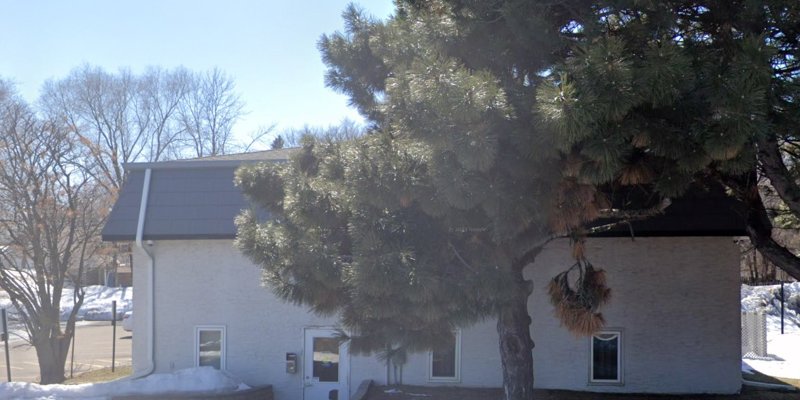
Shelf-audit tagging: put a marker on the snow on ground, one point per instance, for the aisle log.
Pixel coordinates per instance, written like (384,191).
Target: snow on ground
(783,351)
(767,300)
(783,360)
(97,302)
(193,380)
(96,306)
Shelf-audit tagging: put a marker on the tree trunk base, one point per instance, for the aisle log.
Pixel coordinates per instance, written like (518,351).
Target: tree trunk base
(516,345)
(52,355)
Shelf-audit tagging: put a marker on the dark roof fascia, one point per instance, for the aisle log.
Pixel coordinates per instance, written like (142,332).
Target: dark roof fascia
(194,164)
(612,234)
(130,238)
(686,233)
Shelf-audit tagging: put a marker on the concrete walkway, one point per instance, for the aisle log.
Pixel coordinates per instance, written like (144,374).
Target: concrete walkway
(93,342)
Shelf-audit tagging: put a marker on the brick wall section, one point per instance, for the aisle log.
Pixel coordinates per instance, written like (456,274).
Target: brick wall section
(676,302)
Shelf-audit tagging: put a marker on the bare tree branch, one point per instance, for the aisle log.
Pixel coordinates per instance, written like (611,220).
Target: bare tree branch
(50,218)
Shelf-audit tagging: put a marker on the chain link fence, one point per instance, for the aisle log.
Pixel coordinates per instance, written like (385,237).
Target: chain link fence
(754,335)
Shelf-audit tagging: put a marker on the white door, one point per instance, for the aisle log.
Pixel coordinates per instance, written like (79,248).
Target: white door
(326,366)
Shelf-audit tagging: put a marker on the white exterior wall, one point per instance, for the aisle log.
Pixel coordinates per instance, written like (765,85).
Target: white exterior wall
(676,301)
(681,308)
(210,283)
(480,362)
(140,305)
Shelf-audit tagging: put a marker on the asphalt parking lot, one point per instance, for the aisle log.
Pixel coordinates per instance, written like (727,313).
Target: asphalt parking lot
(93,347)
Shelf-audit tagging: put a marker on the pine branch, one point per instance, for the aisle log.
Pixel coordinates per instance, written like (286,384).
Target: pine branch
(635,215)
(458,256)
(759,226)
(629,216)
(771,162)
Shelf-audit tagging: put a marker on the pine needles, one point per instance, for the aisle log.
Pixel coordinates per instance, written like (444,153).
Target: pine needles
(577,307)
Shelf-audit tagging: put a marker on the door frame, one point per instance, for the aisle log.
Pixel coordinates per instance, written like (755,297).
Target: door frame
(344,359)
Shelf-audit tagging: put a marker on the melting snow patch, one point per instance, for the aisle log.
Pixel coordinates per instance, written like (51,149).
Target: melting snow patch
(784,350)
(747,369)
(193,380)
(767,299)
(96,306)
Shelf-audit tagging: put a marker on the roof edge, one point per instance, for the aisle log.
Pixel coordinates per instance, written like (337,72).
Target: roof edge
(701,233)
(130,238)
(138,166)
(217,161)
(667,233)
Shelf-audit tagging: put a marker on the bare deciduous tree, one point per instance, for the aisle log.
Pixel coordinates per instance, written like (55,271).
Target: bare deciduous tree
(209,113)
(121,117)
(51,215)
(158,99)
(160,114)
(346,130)
(256,140)
(61,165)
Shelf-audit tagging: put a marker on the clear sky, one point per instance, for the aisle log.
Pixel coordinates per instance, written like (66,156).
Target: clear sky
(268,47)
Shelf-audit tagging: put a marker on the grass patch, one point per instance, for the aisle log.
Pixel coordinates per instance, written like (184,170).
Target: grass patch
(100,375)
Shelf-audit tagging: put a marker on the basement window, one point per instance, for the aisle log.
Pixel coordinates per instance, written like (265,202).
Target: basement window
(606,358)
(445,364)
(209,345)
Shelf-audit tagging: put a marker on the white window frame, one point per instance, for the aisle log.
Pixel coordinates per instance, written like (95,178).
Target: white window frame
(620,366)
(223,346)
(457,377)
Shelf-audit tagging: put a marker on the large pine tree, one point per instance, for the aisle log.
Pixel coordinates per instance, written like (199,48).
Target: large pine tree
(426,223)
(665,93)
(494,125)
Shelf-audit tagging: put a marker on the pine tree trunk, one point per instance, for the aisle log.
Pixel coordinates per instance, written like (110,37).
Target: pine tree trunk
(759,225)
(516,345)
(52,355)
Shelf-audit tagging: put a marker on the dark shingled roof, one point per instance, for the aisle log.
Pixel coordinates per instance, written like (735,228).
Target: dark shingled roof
(188,199)
(196,199)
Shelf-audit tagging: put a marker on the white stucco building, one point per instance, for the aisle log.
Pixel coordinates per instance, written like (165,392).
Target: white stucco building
(672,323)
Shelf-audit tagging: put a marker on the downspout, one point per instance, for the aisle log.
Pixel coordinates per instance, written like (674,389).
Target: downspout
(150,277)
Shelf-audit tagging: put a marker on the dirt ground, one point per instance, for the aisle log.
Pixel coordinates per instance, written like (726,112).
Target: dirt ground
(454,393)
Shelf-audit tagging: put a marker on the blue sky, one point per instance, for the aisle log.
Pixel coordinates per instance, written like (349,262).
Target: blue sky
(267,47)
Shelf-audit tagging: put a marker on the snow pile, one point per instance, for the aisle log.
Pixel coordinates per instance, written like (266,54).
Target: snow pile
(96,306)
(767,299)
(193,380)
(96,302)
(783,350)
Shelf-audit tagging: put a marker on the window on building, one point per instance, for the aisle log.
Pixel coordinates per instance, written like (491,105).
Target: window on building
(445,363)
(606,361)
(326,359)
(210,346)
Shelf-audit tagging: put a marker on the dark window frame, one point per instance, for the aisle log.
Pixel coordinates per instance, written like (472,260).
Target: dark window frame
(457,361)
(614,334)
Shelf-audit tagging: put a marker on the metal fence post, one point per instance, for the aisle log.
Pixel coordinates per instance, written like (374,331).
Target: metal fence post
(782,302)
(114,334)
(5,339)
